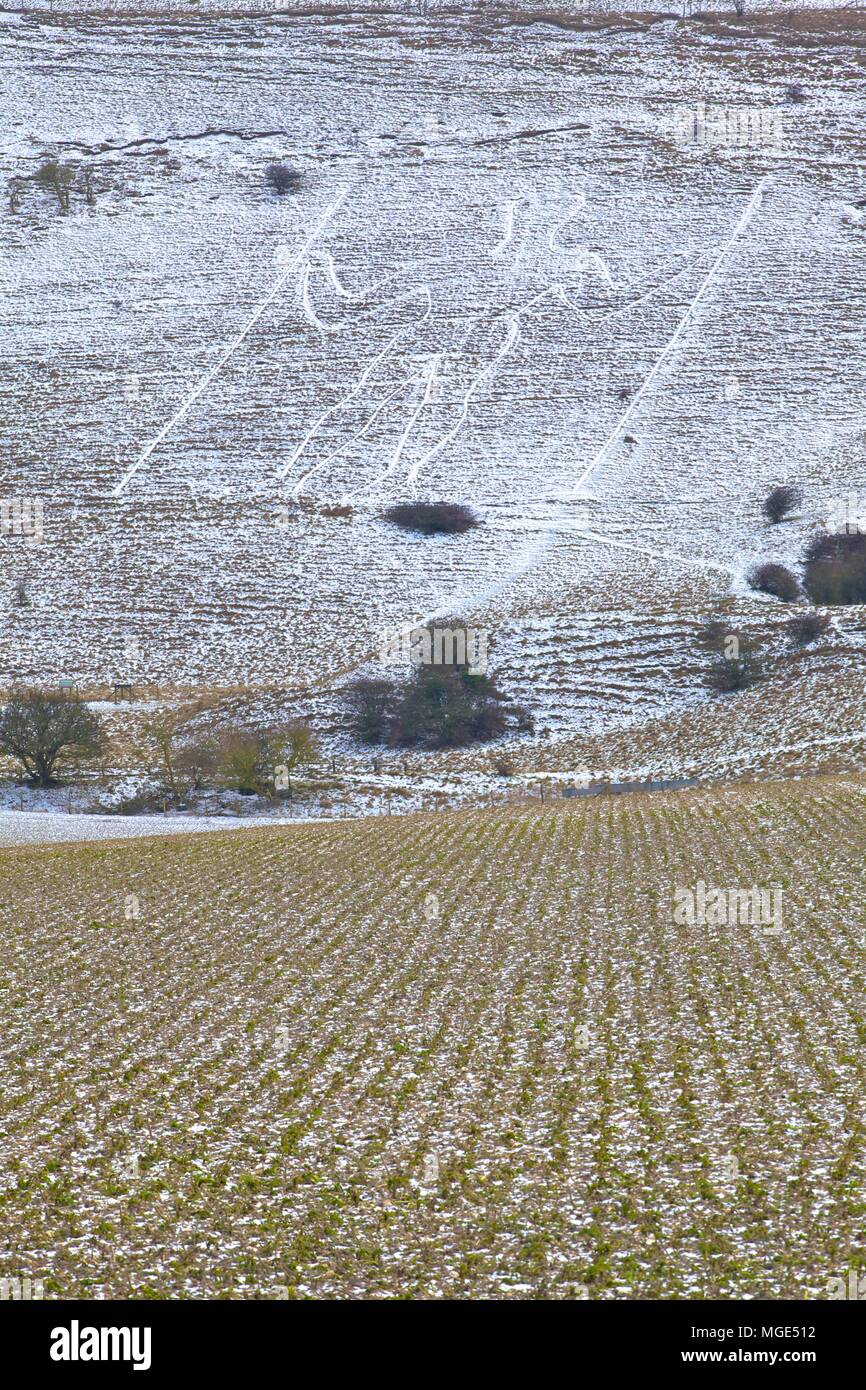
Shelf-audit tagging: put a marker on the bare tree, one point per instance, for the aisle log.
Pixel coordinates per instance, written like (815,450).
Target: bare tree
(169,748)
(40,728)
(159,745)
(291,747)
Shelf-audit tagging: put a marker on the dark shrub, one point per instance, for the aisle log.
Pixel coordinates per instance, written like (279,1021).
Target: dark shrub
(730,673)
(723,640)
(835,569)
(775,579)
(282,178)
(442,706)
(781,501)
(712,634)
(431,518)
(808,628)
(57,178)
(371,704)
(446,707)
(795,92)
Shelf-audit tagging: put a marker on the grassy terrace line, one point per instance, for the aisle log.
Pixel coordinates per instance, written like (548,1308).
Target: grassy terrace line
(334,1089)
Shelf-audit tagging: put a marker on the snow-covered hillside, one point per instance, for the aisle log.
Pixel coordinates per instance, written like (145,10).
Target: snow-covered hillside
(600,278)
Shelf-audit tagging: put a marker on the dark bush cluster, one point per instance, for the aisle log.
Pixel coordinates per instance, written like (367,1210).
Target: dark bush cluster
(60,180)
(441,706)
(432,518)
(738,661)
(737,665)
(283,178)
(57,179)
(834,572)
(835,569)
(449,707)
(808,628)
(713,634)
(773,578)
(781,501)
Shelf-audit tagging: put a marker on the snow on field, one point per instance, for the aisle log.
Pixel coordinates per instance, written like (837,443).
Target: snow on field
(469,1055)
(52,827)
(515,276)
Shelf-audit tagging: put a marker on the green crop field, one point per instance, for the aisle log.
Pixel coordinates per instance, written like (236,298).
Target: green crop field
(466,1055)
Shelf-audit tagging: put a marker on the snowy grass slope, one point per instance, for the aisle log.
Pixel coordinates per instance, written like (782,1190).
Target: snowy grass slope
(475,273)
